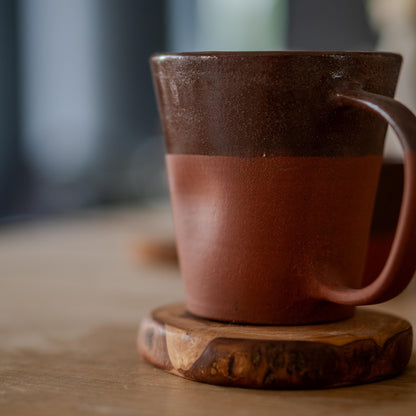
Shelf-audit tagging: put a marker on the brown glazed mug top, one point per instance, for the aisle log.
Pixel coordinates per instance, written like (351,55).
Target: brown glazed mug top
(249,103)
(273,161)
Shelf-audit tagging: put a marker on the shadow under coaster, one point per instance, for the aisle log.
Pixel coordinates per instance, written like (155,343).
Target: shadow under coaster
(368,347)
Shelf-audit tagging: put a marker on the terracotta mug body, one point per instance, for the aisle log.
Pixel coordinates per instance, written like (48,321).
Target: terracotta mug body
(273,162)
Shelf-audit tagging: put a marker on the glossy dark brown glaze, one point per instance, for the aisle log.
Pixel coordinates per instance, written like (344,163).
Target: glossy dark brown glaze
(272,104)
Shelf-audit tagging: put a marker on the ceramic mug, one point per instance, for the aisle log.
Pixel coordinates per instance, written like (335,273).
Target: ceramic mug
(273,162)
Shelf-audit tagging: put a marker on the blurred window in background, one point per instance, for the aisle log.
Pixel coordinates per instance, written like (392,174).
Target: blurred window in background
(10,163)
(330,25)
(88,109)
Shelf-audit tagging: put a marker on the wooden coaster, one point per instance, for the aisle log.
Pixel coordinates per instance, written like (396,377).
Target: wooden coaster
(368,347)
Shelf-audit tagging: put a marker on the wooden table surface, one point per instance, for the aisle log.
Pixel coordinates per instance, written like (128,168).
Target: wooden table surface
(72,294)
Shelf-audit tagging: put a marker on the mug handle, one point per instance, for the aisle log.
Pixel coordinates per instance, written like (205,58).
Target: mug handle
(400,265)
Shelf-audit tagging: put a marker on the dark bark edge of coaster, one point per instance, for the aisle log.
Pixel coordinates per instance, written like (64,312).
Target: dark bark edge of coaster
(368,347)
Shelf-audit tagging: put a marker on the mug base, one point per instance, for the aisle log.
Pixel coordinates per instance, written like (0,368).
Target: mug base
(276,357)
(303,313)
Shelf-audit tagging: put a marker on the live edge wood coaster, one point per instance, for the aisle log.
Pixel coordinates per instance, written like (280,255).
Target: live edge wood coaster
(368,347)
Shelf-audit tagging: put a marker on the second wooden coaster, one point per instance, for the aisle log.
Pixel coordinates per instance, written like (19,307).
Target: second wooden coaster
(368,347)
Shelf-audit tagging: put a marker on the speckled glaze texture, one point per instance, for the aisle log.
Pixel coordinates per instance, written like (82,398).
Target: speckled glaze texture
(273,161)
(250,104)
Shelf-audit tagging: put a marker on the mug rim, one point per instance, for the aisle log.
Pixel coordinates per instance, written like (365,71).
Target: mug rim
(160,56)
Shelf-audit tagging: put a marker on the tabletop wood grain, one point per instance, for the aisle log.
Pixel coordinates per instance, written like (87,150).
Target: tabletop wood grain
(72,294)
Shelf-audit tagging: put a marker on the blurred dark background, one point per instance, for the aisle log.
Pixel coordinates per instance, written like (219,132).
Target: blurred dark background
(78,118)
